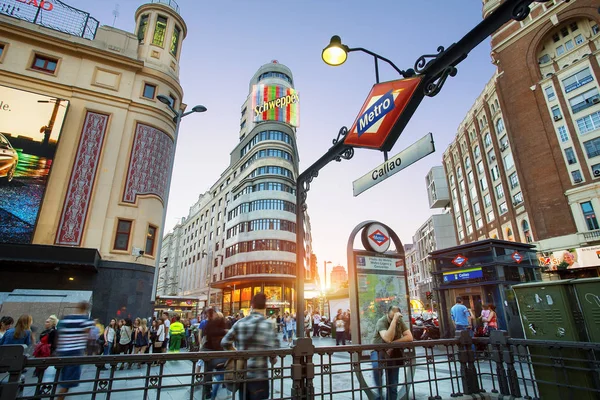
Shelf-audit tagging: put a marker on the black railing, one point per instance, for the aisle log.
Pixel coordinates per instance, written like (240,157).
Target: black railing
(426,370)
(52,14)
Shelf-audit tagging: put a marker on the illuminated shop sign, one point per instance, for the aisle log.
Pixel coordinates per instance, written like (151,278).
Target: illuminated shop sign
(30,126)
(463,274)
(275,103)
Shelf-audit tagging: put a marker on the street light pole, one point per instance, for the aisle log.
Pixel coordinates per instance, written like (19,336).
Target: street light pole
(325,272)
(179,114)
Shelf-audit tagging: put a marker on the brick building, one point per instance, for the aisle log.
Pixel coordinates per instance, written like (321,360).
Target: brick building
(525,163)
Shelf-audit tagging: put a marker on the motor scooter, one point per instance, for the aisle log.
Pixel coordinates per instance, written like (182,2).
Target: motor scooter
(431,329)
(324,328)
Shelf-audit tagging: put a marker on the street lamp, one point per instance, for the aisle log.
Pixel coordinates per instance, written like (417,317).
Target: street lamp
(179,114)
(325,273)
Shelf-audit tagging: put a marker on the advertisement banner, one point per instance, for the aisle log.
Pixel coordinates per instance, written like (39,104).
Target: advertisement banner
(582,257)
(30,126)
(275,103)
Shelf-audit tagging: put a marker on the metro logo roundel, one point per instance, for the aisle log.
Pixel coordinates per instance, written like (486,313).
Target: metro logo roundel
(380,112)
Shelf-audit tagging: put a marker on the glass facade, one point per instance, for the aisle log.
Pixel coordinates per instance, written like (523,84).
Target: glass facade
(280,297)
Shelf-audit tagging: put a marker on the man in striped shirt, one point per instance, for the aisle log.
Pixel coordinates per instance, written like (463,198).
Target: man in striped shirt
(73,334)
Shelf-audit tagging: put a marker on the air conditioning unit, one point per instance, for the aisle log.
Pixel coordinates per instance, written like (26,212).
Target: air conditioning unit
(557,117)
(596,100)
(597,172)
(493,158)
(578,180)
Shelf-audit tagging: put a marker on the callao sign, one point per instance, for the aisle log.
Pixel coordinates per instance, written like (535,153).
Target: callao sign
(43,4)
(379,113)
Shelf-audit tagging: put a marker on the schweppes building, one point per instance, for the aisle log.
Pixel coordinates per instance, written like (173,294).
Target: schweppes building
(240,236)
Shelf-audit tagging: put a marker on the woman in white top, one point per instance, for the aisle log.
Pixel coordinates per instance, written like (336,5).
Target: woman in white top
(109,336)
(160,337)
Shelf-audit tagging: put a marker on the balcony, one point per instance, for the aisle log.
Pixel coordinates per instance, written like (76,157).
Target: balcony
(169,3)
(589,236)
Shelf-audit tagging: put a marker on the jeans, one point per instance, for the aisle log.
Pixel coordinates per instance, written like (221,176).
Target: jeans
(315,330)
(254,390)
(210,366)
(391,376)
(340,337)
(108,349)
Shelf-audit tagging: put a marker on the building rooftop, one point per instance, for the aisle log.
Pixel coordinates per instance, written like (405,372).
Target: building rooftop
(482,243)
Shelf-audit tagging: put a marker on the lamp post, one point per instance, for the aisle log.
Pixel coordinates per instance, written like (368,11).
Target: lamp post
(179,114)
(325,273)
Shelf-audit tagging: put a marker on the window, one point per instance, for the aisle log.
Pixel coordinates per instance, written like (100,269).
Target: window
(487,140)
(526,231)
(555,38)
(480,167)
(578,39)
(459,222)
(479,223)
(159,31)
(550,93)
(175,41)
(495,173)
(577,178)
(483,183)
(514,180)
(142,28)
(149,91)
(573,26)
(544,59)
(592,147)
(473,191)
(499,126)
(584,100)
(122,235)
(562,134)
(272,74)
(467,163)
(504,143)
(470,177)
(560,50)
(172,100)
(569,45)
(1,50)
(150,240)
(477,152)
(570,155)
(589,123)
(490,155)
(469,229)
(44,64)
(508,161)
(499,191)
(461,235)
(490,216)
(459,172)
(476,209)
(595,29)
(589,215)
(556,113)
(577,80)
(596,170)
(487,200)
(518,198)
(503,208)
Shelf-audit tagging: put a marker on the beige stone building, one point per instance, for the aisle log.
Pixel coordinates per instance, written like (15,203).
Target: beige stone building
(97,219)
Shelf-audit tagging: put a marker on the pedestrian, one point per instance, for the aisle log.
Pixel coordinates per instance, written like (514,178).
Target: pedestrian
(340,329)
(278,323)
(125,341)
(99,347)
(73,333)
(390,328)
(490,321)
(46,346)
(140,337)
(159,343)
(177,335)
(110,332)
(5,324)
(20,334)
(254,333)
(307,323)
(460,316)
(214,332)
(166,325)
(346,317)
(290,327)
(316,322)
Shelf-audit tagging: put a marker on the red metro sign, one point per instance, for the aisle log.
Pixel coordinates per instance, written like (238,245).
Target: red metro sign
(380,113)
(459,260)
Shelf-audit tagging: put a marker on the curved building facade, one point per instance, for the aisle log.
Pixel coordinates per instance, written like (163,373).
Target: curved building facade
(240,238)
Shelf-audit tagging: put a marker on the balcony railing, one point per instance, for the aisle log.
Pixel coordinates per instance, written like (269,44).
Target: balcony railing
(591,235)
(169,3)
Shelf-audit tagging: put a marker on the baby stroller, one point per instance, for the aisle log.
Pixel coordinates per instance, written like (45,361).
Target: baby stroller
(194,340)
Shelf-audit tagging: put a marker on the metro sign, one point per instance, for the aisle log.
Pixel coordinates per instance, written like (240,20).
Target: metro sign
(517,257)
(459,260)
(380,113)
(379,237)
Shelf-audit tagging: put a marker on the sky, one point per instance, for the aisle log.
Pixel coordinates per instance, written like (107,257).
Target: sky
(228,40)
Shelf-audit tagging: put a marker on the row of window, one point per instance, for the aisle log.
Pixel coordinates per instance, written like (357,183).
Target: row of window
(260,245)
(266,135)
(263,224)
(274,186)
(123,237)
(160,33)
(265,204)
(273,74)
(260,267)
(271,170)
(267,153)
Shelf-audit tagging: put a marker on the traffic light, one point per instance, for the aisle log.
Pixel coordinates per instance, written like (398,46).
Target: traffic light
(429,295)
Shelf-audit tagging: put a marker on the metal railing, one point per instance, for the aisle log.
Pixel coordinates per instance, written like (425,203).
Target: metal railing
(486,367)
(170,3)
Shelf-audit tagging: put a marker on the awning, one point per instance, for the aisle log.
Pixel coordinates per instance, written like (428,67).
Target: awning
(45,256)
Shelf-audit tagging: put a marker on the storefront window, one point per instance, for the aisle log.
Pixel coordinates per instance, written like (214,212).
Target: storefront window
(227,303)
(246,297)
(257,289)
(273,293)
(236,295)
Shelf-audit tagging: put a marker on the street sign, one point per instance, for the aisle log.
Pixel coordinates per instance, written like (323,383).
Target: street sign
(413,153)
(379,113)
(459,260)
(470,273)
(517,257)
(376,238)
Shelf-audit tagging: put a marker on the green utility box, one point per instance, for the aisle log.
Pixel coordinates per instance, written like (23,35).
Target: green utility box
(550,311)
(588,296)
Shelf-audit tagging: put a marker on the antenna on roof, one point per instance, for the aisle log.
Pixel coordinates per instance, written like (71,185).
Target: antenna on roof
(115,13)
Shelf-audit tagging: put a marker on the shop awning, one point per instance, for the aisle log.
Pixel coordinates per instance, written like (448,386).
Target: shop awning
(44,256)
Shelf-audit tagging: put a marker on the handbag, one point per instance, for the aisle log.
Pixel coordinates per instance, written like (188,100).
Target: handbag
(158,344)
(234,367)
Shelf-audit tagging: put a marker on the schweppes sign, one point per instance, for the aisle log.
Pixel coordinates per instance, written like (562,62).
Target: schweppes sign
(275,103)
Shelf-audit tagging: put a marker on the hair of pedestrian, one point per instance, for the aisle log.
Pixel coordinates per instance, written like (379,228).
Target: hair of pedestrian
(459,300)
(53,320)
(259,301)
(393,307)
(128,322)
(23,324)
(177,318)
(83,306)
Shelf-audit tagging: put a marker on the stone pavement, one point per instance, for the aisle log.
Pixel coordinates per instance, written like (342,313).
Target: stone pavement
(333,378)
